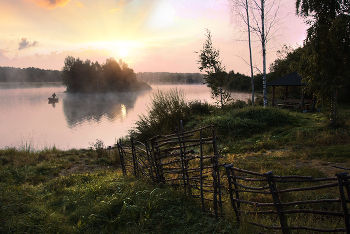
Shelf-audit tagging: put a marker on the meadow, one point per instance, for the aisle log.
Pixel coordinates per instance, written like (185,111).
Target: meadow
(84,191)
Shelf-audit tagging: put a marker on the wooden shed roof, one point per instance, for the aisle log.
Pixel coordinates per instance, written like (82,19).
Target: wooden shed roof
(292,79)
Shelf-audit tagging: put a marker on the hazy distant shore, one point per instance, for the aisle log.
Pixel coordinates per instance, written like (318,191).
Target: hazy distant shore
(19,85)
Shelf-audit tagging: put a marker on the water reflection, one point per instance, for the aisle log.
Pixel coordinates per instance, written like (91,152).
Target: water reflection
(52,102)
(79,108)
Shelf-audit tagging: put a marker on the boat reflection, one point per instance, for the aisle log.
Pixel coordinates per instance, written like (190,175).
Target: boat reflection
(79,108)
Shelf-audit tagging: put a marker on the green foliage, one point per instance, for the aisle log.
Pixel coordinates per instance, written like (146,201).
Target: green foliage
(209,59)
(325,61)
(287,61)
(99,147)
(101,201)
(199,108)
(237,82)
(164,115)
(170,78)
(247,121)
(87,77)
(46,192)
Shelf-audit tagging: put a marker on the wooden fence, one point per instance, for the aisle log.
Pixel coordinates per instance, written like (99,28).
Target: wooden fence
(266,194)
(179,159)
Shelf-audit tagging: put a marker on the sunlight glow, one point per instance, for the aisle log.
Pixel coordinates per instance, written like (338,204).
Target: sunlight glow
(163,16)
(123,52)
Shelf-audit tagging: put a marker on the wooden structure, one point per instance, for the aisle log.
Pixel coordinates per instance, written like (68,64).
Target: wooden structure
(271,205)
(190,160)
(179,159)
(292,79)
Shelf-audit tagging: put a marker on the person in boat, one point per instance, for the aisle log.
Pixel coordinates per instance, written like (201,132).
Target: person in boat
(54,95)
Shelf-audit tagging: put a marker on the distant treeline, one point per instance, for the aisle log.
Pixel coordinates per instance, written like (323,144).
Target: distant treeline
(239,82)
(89,77)
(233,81)
(30,74)
(170,78)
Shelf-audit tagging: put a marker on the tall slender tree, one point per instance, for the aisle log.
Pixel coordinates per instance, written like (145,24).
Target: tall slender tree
(238,6)
(264,17)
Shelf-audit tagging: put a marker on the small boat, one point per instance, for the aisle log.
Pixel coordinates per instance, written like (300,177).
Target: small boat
(53,100)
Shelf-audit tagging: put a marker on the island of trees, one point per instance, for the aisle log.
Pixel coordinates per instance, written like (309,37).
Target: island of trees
(90,77)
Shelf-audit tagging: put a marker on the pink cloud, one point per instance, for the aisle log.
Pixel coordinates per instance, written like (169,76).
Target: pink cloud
(50,3)
(3,59)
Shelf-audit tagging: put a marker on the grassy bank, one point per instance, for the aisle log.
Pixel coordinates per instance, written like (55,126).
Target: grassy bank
(83,191)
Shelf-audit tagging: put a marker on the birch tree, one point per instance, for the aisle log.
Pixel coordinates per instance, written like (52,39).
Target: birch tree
(241,8)
(260,18)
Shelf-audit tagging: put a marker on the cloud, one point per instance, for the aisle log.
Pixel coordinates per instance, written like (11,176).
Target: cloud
(78,4)
(26,44)
(50,3)
(3,58)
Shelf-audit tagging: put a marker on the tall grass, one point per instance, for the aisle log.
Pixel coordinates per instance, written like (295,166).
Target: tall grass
(247,121)
(163,115)
(40,198)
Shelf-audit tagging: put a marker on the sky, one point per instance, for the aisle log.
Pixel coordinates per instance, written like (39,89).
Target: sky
(149,35)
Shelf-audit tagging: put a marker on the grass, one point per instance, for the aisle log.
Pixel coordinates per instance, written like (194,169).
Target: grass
(83,191)
(72,192)
(286,142)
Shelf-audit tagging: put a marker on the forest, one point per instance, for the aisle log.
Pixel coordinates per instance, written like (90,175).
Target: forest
(90,77)
(30,74)
(170,78)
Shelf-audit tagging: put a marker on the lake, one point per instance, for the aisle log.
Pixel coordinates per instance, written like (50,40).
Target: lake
(77,120)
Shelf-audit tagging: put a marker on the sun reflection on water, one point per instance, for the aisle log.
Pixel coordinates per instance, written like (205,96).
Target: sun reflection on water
(123,108)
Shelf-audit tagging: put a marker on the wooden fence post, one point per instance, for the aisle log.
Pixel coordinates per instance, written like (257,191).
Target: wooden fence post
(201,168)
(340,177)
(134,160)
(156,164)
(216,172)
(277,202)
(182,159)
(150,162)
(230,178)
(121,156)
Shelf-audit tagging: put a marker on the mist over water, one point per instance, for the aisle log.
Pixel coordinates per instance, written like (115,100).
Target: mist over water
(27,119)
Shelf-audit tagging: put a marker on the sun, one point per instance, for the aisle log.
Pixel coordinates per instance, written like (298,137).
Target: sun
(123,52)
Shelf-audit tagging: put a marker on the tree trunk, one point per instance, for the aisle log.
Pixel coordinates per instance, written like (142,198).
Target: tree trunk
(250,52)
(263,42)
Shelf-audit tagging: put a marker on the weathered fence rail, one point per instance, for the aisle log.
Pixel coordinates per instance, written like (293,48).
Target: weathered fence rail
(182,159)
(271,198)
(179,159)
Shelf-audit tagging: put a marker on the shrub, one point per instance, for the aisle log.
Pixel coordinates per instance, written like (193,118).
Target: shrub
(99,147)
(164,114)
(199,108)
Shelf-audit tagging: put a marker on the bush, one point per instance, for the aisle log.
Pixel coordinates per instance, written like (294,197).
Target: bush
(164,114)
(199,108)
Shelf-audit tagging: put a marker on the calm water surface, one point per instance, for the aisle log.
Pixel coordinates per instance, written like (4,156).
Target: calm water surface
(77,120)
